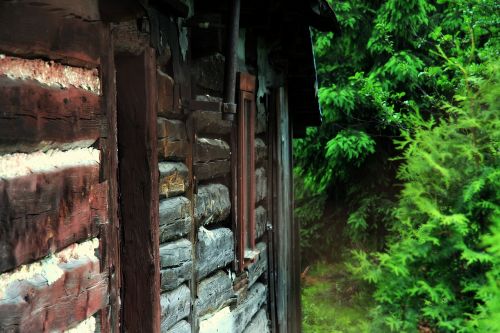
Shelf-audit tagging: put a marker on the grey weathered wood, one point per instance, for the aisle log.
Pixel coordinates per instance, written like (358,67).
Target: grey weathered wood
(259,323)
(175,305)
(211,169)
(260,221)
(210,122)
(214,293)
(212,204)
(176,263)
(260,150)
(211,149)
(260,184)
(257,268)
(214,250)
(173,178)
(181,327)
(243,314)
(175,218)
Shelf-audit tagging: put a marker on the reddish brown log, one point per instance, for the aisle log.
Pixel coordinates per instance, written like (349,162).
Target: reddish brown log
(212,169)
(34,306)
(167,107)
(32,113)
(30,30)
(209,122)
(171,129)
(40,213)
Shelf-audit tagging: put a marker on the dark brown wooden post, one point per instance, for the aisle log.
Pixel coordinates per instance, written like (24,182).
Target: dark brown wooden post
(137,151)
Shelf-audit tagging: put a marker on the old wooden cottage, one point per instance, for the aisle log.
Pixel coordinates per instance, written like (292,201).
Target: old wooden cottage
(145,163)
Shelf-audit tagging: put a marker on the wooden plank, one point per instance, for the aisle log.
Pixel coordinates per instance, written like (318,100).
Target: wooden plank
(34,116)
(175,218)
(136,98)
(176,263)
(212,169)
(175,305)
(214,250)
(48,33)
(110,233)
(40,213)
(214,293)
(209,122)
(246,82)
(212,204)
(173,179)
(34,305)
(211,149)
(172,150)
(166,106)
(174,130)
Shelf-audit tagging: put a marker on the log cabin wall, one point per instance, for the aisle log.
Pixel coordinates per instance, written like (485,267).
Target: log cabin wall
(59,232)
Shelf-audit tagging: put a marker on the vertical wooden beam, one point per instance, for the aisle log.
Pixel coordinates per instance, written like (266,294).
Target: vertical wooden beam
(110,232)
(137,143)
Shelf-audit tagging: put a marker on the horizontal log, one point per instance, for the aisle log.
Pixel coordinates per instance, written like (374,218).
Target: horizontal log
(40,213)
(210,122)
(260,184)
(175,130)
(176,263)
(214,250)
(40,304)
(36,117)
(212,204)
(49,33)
(181,327)
(86,9)
(259,266)
(211,149)
(260,221)
(214,293)
(243,314)
(173,178)
(260,150)
(211,169)
(172,150)
(175,305)
(175,218)
(259,323)
(166,93)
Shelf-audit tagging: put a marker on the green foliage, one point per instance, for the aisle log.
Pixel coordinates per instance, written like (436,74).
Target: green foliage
(407,157)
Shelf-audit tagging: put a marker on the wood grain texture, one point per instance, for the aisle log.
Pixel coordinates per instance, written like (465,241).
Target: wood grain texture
(260,221)
(175,218)
(243,314)
(175,305)
(35,306)
(181,327)
(212,204)
(47,32)
(137,138)
(214,293)
(214,250)
(211,150)
(173,180)
(259,323)
(176,263)
(40,213)
(260,184)
(61,118)
(210,122)
(166,93)
(212,169)
(259,266)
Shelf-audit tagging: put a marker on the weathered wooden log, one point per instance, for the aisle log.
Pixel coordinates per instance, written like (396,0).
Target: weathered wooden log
(40,304)
(210,122)
(173,178)
(242,315)
(211,169)
(260,221)
(212,204)
(181,327)
(176,263)
(172,143)
(169,150)
(175,305)
(214,250)
(166,94)
(260,150)
(259,323)
(37,117)
(45,212)
(171,129)
(260,184)
(211,150)
(214,293)
(49,33)
(175,218)
(259,266)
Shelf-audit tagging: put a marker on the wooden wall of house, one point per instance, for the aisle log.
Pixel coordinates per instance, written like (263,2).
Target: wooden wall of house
(59,242)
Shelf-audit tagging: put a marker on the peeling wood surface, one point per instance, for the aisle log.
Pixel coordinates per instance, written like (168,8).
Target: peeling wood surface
(181,327)
(49,33)
(173,178)
(175,218)
(212,204)
(211,149)
(175,305)
(259,323)
(46,212)
(214,293)
(35,306)
(34,116)
(176,263)
(257,296)
(210,122)
(214,250)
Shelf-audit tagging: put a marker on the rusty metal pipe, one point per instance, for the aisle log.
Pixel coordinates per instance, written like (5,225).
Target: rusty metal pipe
(231,62)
